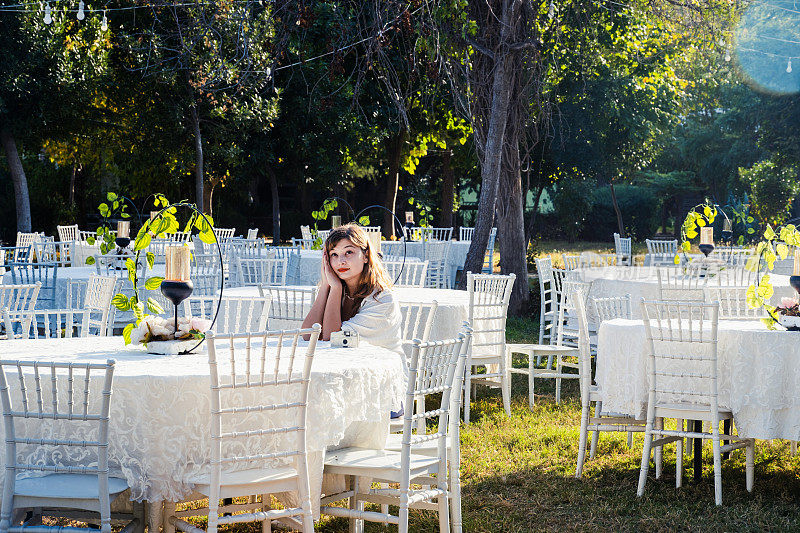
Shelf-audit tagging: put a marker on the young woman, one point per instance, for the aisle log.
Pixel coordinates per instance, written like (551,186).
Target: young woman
(355,292)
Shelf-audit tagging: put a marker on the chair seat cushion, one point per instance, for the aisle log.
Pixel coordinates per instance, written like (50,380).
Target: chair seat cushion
(381,464)
(66,486)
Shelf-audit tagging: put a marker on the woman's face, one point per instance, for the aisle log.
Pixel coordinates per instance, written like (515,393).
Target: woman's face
(347,260)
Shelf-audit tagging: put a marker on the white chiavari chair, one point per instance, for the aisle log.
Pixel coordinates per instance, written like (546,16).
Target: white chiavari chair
(682,283)
(436,254)
(304,244)
(548,299)
(682,345)
(19,297)
(292,255)
(732,303)
(68,233)
(115,265)
(623,247)
(489,295)
(252,233)
(407,273)
(612,307)
(31,273)
(305,232)
(465,234)
(95,295)
(290,305)
(261,271)
(26,240)
(86,235)
(434,369)
(223,234)
(61,399)
(590,392)
(237,314)
(571,261)
(323,234)
(488,260)
(731,276)
(661,252)
(428,234)
(248,373)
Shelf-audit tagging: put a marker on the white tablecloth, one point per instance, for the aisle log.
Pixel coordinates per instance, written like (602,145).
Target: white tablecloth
(642,282)
(160,408)
(758,370)
(452,311)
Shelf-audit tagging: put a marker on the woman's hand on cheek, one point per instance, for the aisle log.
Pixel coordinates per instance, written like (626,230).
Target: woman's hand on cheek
(323,276)
(329,275)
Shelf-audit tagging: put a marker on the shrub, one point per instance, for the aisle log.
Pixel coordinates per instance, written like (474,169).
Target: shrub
(773,190)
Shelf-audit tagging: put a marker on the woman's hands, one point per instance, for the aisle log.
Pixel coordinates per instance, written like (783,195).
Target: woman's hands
(327,275)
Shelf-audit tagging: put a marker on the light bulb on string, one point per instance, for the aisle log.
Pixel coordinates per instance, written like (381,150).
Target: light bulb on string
(104,24)
(81,12)
(48,19)
(789,66)
(727,55)
(722,41)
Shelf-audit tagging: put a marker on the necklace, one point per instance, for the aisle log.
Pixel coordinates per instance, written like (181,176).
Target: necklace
(349,297)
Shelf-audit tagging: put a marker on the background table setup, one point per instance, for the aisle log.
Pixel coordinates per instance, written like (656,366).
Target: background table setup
(643,283)
(160,409)
(759,374)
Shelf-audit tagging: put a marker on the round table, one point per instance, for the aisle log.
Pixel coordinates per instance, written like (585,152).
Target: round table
(758,374)
(642,282)
(160,408)
(451,313)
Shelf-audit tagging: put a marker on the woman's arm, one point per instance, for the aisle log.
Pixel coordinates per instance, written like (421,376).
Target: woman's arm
(332,319)
(317,313)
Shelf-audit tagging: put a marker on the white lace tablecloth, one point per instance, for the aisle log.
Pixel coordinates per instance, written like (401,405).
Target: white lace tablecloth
(451,313)
(160,408)
(758,371)
(642,282)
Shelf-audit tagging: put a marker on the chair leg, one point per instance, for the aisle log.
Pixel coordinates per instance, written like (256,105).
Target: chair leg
(558,380)
(531,373)
(750,469)
(630,440)
(717,464)
(658,453)
(266,525)
(505,384)
(582,440)
(679,457)
(595,434)
(648,443)
(444,514)
(467,391)
(169,510)
(356,525)
(455,495)
(793,448)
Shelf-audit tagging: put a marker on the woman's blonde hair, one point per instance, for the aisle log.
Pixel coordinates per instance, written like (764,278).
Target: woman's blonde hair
(374,277)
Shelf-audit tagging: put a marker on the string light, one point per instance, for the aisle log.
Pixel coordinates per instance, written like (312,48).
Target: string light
(104,24)
(48,19)
(789,66)
(81,12)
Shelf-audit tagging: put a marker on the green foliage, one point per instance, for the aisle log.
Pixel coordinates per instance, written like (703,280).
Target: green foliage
(573,202)
(773,246)
(638,205)
(773,188)
(699,216)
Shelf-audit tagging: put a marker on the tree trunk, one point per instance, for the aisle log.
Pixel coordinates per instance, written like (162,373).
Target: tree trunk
(394,152)
(620,225)
(198,165)
(208,195)
(23,202)
(448,189)
(501,75)
(276,207)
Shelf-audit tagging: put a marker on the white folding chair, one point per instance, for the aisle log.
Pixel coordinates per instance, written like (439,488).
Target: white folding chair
(237,314)
(590,392)
(682,345)
(661,252)
(432,371)
(488,309)
(407,273)
(43,393)
(256,372)
(732,303)
(261,271)
(623,248)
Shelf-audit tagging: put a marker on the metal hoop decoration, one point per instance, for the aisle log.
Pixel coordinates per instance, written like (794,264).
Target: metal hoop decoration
(400,225)
(340,199)
(219,253)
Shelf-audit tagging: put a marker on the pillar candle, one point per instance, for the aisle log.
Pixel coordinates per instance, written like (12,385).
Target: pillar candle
(374,240)
(796,263)
(336,221)
(409,217)
(124,228)
(706,235)
(177,263)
